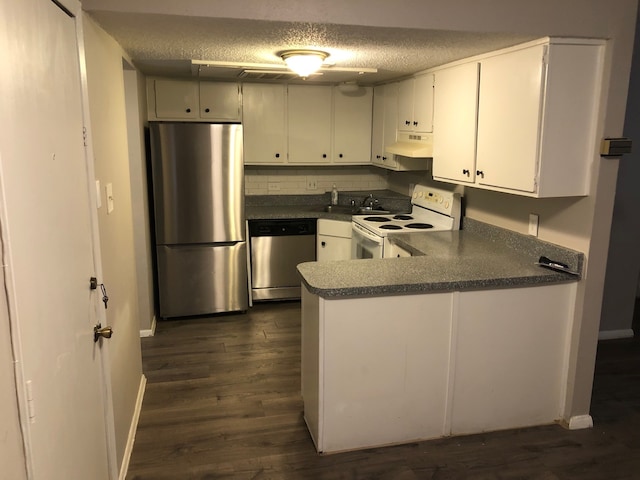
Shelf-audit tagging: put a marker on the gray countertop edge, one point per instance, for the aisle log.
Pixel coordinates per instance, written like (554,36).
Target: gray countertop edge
(437,287)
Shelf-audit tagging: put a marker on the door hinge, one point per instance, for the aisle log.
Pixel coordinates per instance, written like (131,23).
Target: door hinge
(31,410)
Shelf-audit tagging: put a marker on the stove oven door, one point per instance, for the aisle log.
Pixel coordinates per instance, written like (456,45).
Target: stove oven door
(365,244)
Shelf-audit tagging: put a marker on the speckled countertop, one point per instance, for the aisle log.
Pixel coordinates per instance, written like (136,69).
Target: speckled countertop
(479,257)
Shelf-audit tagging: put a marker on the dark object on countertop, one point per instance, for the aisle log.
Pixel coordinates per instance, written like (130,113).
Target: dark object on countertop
(555,265)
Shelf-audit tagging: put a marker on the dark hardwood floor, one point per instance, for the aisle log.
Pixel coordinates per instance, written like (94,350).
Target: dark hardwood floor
(223,402)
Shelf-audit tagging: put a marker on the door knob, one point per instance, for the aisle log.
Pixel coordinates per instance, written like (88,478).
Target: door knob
(100,331)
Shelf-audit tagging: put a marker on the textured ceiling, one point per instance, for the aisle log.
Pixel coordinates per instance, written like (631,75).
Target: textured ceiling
(162,44)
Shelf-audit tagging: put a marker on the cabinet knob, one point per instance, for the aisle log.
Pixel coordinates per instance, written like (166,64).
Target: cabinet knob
(277,155)
(340,155)
(378,156)
(415,124)
(466,172)
(324,155)
(384,158)
(207,110)
(188,110)
(324,244)
(480,173)
(407,122)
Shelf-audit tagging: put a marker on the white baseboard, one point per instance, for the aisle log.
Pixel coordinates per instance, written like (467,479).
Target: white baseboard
(151,331)
(580,422)
(132,429)
(615,334)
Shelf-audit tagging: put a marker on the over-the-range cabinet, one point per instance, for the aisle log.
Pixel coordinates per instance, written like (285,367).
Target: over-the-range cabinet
(198,192)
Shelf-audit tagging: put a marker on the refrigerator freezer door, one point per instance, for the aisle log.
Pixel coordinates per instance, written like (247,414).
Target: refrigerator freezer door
(202,279)
(198,182)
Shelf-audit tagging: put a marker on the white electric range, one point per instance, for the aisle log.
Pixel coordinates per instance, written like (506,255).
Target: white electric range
(432,210)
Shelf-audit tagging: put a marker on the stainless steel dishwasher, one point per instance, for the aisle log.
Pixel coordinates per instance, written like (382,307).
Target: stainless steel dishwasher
(277,247)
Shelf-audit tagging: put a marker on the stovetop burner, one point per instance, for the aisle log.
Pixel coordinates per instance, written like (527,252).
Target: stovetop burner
(419,226)
(402,217)
(376,219)
(391,227)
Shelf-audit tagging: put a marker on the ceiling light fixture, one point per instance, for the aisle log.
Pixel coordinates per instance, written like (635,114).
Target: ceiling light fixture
(304,62)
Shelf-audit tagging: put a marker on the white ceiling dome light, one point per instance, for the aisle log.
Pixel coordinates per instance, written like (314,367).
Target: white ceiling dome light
(304,62)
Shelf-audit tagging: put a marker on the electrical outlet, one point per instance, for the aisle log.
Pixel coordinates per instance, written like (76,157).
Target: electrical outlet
(533,224)
(273,187)
(312,183)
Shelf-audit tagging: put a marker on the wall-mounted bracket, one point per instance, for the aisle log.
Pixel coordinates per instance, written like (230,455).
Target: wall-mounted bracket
(615,147)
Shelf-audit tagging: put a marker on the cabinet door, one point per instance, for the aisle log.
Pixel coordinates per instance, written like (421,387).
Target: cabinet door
(510,106)
(263,118)
(510,357)
(352,126)
(405,105)
(415,104)
(390,133)
(176,99)
(220,101)
(377,126)
(455,117)
(423,104)
(309,112)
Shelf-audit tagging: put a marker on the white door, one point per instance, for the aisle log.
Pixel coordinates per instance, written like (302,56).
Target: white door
(48,245)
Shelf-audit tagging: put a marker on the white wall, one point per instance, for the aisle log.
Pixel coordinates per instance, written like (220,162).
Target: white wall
(110,148)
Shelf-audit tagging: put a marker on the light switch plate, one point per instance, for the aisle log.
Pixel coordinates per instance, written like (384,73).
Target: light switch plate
(109,190)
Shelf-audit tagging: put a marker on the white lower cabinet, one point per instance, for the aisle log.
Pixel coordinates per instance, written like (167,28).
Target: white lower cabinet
(333,240)
(384,370)
(375,370)
(510,361)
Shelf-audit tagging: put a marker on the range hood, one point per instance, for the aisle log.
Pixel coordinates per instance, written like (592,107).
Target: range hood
(412,145)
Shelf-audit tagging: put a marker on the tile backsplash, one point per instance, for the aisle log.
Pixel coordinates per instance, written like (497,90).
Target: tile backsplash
(302,180)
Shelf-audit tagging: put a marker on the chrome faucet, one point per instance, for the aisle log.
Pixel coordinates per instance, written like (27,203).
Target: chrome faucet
(369,201)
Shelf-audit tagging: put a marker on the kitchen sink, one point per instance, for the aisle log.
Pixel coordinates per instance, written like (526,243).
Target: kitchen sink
(353,210)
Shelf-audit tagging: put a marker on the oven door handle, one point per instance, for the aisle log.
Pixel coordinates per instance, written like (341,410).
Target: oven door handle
(367,234)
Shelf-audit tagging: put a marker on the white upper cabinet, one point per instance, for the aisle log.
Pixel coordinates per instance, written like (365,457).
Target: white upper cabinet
(326,126)
(536,119)
(352,113)
(415,104)
(173,99)
(385,124)
(264,123)
(170,99)
(309,110)
(220,101)
(454,118)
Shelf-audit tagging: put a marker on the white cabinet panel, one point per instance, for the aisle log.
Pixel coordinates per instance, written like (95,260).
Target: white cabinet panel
(220,101)
(175,99)
(415,104)
(510,109)
(510,357)
(309,112)
(378,384)
(333,240)
(264,121)
(454,119)
(352,126)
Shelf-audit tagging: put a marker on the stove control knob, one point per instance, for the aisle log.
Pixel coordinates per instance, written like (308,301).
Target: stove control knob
(446,204)
(440,199)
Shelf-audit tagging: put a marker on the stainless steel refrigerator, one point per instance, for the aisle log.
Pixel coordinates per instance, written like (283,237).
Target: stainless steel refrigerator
(198,193)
